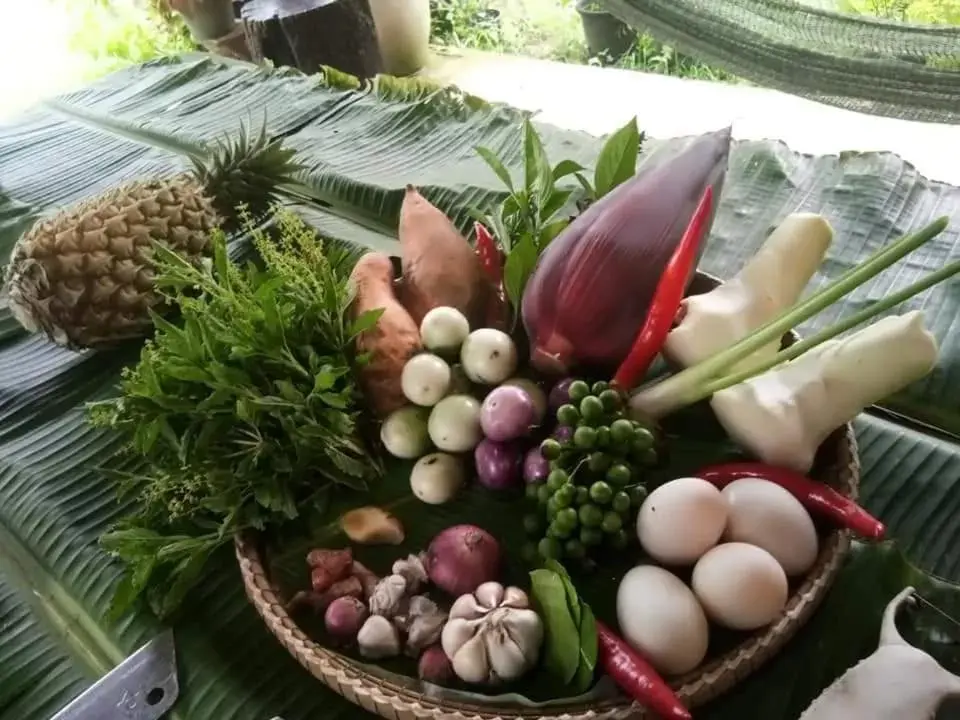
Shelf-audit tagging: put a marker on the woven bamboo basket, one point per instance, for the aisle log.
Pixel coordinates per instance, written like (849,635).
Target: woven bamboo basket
(841,470)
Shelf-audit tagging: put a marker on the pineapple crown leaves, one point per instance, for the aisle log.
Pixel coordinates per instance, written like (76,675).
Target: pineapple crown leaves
(246,171)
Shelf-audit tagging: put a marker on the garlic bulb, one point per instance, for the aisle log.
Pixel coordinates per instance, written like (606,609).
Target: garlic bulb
(492,635)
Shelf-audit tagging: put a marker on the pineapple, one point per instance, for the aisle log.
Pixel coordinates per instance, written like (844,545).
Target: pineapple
(84,276)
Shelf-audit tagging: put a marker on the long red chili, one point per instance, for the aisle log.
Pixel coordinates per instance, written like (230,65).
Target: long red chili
(636,677)
(488,253)
(813,495)
(666,299)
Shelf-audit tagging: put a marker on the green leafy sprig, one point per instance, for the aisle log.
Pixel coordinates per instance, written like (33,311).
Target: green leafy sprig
(571,644)
(244,414)
(532,214)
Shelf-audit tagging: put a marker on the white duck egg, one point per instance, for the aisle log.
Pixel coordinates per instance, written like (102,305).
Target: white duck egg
(681,520)
(436,478)
(454,423)
(740,586)
(659,617)
(488,356)
(425,379)
(404,432)
(443,330)
(764,514)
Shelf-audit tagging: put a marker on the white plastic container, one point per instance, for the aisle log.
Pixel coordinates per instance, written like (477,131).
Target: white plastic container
(403,34)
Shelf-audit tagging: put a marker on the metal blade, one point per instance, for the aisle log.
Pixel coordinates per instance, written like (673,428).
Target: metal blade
(142,687)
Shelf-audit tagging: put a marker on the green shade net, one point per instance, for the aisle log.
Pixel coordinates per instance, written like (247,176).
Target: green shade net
(881,67)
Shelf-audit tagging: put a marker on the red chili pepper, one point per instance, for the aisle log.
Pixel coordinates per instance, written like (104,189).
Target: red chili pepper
(813,495)
(489,253)
(667,298)
(636,677)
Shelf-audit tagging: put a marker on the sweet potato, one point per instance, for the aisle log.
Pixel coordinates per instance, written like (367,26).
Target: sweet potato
(439,265)
(391,342)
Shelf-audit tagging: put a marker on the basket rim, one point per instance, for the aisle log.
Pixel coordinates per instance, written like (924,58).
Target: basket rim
(710,680)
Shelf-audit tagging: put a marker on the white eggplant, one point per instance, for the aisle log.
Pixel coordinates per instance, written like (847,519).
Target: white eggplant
(768,284)
(897,682)
(783,415)
(492,635)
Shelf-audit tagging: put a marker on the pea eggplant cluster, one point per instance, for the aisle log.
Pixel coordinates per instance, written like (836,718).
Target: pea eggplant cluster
(597,459)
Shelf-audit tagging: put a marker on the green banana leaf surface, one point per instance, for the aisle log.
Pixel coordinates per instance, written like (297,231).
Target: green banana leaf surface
(362,145)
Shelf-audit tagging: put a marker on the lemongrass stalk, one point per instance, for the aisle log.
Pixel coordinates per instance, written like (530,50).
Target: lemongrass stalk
(848,323)
(685,388)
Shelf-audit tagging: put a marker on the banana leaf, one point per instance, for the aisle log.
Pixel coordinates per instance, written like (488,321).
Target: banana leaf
(35,670)
(362,146)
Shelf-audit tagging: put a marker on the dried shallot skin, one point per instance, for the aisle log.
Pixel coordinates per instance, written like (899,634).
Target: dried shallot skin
(592,286)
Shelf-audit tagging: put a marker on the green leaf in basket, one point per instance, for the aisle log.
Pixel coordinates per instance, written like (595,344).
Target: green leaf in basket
(618,158)
(538,176)
(565,168)
(517,269)
(588,650)
(494,162)
(586,626)
(573,599)
(561,636)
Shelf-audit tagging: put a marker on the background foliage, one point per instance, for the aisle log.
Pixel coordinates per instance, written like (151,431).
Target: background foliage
(116,33)
(120,32)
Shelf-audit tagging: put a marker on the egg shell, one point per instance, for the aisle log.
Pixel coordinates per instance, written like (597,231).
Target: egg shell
(740,586)
(681,520)
(659,617)
(764,514)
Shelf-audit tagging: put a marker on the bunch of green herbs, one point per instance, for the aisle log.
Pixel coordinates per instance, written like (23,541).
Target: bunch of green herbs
(243,415)
(533,213)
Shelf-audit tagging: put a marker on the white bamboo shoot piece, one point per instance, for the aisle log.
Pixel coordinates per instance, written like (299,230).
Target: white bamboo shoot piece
(768,284)
(783,415)
(897,682)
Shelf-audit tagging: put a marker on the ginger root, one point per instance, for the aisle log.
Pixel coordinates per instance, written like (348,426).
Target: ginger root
(372,525)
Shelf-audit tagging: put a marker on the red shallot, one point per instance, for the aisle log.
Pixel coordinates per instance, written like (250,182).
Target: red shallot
(344,618)
(461,558)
